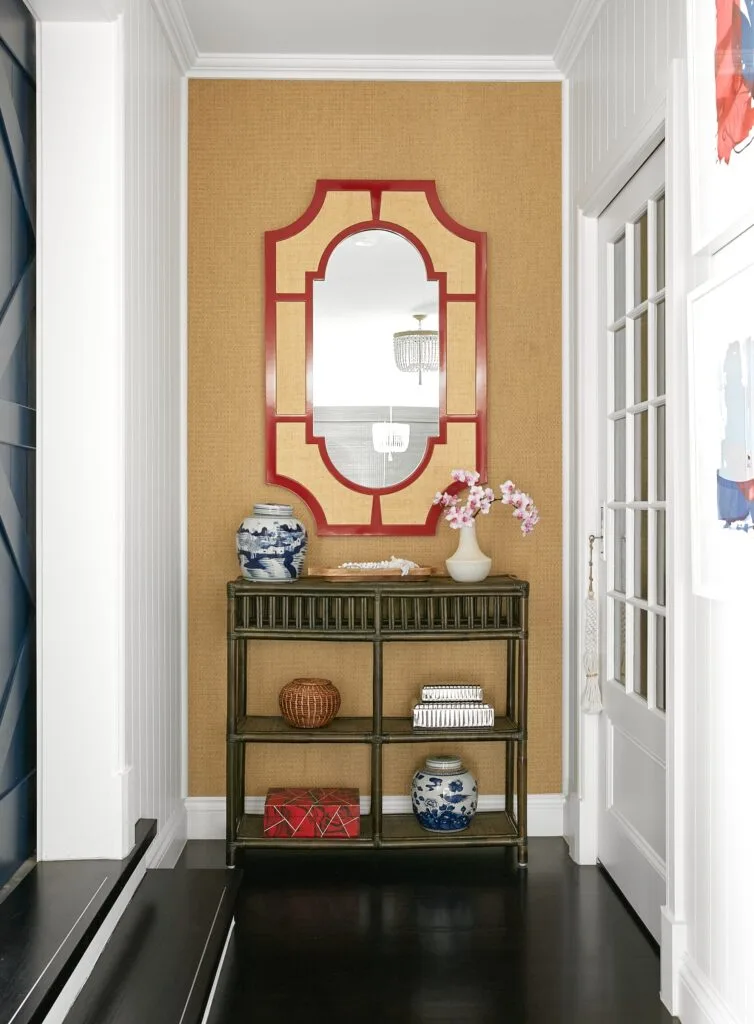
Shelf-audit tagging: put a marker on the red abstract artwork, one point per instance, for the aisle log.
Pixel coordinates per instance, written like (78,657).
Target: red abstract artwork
(734,75)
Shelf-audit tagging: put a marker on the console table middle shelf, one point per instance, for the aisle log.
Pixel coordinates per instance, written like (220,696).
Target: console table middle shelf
(378,613)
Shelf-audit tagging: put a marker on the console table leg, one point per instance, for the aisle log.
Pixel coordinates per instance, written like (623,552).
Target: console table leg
(377,742)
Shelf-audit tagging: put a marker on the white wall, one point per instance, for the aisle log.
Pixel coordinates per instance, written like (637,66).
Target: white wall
(618,96)
(153,419)
(82,764)
(111,419)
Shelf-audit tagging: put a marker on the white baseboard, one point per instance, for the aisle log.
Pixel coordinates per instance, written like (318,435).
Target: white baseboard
(169,841)
(206,814)
(699,1000)
(60,1008)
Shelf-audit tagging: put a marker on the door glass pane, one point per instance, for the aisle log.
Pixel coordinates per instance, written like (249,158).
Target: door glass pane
(660,453)
(619,550)
(660,350)
(660,662)
(660,557)
(619,643)
(619,278)
(619,460)
(641,457)
(641,363)
(641,261)
(619,369)
(641,546)
(660,227)
(640,652)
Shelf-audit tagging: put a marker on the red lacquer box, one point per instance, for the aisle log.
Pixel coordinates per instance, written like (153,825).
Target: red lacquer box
(312,813)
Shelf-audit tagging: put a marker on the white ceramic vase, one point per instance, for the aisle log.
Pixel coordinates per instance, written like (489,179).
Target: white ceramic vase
(469,564)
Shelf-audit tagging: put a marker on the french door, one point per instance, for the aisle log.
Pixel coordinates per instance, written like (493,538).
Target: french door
(17,439)
(631,840)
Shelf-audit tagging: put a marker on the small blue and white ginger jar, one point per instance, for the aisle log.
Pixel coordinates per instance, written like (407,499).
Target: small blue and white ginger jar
(271,545)
(444,795)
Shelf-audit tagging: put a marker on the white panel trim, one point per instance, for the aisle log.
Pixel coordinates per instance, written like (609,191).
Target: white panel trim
(647,851)
(59,1010)
(206,814)
(376,67)
(168,844)
(673,944)
(183,441)
(700,1002)
(177,31)
(575,33)
(568,375)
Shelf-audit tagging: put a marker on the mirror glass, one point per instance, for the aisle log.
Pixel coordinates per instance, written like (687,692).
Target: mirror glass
(375,397)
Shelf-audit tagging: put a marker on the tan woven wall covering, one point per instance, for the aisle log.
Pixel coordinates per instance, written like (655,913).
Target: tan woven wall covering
(255,152)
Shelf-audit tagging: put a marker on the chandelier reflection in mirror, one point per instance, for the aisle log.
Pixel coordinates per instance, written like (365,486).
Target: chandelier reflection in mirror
(418,350)
(390,437)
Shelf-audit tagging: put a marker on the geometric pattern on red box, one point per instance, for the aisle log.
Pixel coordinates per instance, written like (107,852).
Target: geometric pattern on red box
(317,813)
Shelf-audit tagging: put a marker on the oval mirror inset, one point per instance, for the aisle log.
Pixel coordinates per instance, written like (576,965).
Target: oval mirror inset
(375,361)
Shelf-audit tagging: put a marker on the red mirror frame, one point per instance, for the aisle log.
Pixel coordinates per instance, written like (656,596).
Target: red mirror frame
(438,478)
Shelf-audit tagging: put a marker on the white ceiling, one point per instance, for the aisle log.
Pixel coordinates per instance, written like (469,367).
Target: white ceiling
(385,27)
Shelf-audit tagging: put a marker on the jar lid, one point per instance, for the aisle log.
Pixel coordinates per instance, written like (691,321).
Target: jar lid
(444,763)
(273,510)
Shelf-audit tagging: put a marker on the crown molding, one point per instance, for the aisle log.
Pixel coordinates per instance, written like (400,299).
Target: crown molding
(372,67)
(75,10)
(177,32)
(582,17)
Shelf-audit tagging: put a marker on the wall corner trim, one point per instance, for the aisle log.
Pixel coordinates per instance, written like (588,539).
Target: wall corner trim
(574,34)
(170,840)
(177,31)
(372,67)
(206,814)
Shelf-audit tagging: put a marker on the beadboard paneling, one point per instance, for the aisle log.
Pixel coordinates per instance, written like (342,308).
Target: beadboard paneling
(617,80)
(152,415)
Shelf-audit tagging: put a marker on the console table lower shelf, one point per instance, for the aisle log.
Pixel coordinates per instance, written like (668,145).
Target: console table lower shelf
(488,828)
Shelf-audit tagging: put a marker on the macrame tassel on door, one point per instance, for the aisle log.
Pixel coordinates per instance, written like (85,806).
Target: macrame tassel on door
(591,699)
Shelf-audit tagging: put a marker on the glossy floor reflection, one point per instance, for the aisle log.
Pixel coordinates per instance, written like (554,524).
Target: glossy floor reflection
(432,937)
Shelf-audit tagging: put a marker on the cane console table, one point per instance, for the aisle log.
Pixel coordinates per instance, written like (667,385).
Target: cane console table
(379,613)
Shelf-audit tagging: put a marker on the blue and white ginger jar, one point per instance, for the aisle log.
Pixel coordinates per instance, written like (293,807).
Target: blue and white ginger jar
(444,795)
(271,545)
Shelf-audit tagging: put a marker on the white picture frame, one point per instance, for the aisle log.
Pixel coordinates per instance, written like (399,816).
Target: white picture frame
(721,432)
(722,198)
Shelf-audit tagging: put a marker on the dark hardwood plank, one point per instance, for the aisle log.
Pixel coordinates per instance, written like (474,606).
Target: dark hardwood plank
(159,964)
(48,921)
(432,937)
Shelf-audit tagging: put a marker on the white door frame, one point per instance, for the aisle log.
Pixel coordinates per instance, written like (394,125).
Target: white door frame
(668,121)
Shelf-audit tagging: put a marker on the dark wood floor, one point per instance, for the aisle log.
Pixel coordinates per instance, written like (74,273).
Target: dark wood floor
(432,937)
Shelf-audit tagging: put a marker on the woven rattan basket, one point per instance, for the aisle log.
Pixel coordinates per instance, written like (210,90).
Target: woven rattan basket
(309,703)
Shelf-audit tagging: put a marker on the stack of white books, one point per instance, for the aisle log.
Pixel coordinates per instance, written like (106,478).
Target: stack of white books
(453,706)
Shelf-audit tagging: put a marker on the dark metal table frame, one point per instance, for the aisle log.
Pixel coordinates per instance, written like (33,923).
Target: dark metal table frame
(378,613)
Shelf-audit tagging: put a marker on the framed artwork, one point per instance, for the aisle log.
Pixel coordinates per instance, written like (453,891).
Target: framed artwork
(721,410)
(721,92)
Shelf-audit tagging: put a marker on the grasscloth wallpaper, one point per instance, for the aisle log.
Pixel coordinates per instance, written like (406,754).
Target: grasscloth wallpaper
(256,150)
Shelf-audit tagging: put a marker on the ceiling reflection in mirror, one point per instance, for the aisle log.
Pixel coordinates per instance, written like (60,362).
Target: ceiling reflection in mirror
(375,358)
